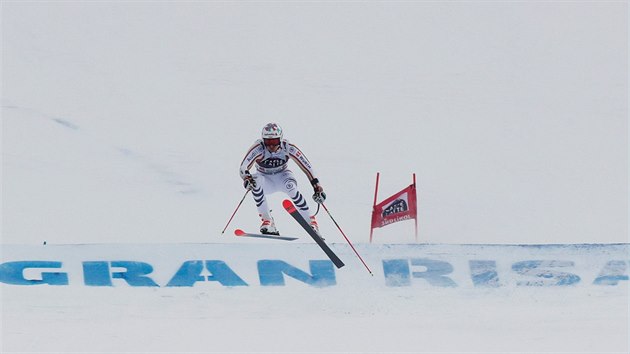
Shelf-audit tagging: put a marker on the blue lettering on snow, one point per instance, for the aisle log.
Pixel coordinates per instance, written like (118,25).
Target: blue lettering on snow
(13,273)
(484,273)
(271,273)
(397,272)
(99,273)
(542,276)
(190,273)
(613,272)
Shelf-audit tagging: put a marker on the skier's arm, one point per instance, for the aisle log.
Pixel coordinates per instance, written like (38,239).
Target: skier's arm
(305,165)
(254,152)
(301,160)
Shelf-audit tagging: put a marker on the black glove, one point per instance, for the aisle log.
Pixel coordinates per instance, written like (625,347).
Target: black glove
(319,196)
(248,181)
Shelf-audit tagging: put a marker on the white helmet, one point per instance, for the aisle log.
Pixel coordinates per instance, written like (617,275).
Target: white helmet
(271,131)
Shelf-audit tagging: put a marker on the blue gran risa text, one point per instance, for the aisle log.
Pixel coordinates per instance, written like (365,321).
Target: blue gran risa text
(402,272)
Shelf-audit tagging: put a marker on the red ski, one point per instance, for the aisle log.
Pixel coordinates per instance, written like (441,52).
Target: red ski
(241,233)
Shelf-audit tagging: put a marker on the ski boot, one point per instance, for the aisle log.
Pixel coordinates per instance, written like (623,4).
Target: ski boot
(268,227)
(315,226)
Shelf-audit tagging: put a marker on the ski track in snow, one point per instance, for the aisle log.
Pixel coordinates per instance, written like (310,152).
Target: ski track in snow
(167,174)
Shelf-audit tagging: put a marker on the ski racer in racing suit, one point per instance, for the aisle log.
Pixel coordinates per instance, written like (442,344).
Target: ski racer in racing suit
(271,155)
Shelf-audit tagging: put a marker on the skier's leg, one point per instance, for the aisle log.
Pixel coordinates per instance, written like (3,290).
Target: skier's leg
(264,183)
(291,189)
(259,196)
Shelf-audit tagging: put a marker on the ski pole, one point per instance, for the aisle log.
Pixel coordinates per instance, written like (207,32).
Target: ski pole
(234,213)
(347,240)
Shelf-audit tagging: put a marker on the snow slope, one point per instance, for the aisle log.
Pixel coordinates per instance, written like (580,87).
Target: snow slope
(123,120)
(286,297)
(123,125)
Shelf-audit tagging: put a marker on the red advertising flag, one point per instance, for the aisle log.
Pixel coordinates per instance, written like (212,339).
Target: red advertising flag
(400,206)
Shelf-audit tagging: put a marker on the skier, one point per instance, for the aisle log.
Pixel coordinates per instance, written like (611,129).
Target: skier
(271,155)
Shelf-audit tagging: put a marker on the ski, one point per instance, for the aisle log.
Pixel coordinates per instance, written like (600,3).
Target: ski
(241,233)
(290,208)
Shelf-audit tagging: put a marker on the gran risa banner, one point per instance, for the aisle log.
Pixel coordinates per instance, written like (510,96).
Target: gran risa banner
(394,266)
(400,206)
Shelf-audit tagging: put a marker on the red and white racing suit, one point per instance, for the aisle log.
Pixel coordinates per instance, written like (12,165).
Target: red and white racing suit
(273,175)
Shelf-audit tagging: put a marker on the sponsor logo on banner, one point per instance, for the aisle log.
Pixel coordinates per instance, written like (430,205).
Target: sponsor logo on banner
(398,206)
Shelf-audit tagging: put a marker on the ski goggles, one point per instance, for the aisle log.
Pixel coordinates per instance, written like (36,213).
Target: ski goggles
(271,142)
